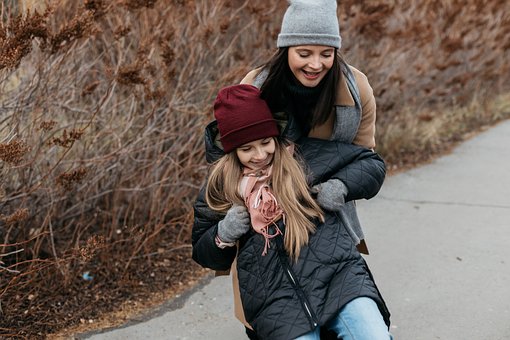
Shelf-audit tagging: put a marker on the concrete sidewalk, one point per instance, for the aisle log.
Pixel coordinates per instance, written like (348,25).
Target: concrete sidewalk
(439,237)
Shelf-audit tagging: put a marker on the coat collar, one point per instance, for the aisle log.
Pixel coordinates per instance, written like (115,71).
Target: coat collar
(344,96)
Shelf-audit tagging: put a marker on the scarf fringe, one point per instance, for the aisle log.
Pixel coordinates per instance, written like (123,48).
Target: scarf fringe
(265,232)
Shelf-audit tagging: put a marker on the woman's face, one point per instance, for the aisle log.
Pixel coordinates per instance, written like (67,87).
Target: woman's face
(310,63)
(257,154)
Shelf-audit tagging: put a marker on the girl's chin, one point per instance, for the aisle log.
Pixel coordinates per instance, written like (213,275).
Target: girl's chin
(256,167)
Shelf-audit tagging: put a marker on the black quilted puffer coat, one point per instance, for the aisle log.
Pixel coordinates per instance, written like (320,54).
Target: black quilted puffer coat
(283,299)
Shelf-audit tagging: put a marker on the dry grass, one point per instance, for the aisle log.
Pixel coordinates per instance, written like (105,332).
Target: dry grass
(103,105)
(414,137)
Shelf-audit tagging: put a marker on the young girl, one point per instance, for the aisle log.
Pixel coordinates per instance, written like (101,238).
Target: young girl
(298,269)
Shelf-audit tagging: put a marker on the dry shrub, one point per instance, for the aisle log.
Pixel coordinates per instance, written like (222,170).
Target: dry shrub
(103,109)
(429,61)
(108,101)
(13,152)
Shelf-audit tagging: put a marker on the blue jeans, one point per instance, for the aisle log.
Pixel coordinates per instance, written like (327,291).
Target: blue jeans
(360,319)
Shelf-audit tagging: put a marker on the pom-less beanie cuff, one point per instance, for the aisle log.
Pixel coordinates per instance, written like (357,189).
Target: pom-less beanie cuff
(285,40)
(246,134)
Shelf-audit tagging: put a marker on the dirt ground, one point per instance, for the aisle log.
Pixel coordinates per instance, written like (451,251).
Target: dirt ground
(105,295)
(143,297)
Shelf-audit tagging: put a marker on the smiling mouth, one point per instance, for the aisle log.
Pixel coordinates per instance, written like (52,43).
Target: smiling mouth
(262,164)
(311,75)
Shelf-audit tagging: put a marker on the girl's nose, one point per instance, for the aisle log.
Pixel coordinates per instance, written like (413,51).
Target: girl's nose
(260,154)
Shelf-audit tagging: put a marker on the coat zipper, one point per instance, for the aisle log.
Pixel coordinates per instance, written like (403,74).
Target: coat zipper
(301,295)
(302,299)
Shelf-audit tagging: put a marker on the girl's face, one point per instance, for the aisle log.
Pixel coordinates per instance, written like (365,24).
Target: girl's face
(257,154)
(310,63)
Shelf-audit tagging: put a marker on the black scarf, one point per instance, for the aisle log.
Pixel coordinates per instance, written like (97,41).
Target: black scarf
(300,101)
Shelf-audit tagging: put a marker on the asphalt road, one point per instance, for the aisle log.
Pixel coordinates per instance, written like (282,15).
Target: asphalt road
(439,237)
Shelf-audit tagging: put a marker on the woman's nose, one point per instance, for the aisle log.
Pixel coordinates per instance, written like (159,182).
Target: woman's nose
(315,62)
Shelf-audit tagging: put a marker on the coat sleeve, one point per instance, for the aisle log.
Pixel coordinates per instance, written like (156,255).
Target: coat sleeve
(250,77)
(205,226)
(360,169)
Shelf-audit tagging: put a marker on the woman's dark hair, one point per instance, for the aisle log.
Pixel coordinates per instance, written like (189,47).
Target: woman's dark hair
(279,76)
(272,88)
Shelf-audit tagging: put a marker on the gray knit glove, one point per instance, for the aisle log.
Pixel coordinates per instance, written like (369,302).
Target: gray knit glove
(235,224)
(331,194)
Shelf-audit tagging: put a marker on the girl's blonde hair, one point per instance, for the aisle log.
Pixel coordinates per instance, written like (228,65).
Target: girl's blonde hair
(289,187)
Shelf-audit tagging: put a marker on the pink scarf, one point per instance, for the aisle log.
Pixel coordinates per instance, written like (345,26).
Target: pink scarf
(261,203)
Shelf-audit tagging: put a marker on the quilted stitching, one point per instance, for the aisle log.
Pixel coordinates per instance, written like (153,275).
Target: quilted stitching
(362,170)
(330,271)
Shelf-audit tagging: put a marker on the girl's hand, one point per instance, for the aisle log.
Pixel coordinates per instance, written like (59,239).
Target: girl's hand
(235,224)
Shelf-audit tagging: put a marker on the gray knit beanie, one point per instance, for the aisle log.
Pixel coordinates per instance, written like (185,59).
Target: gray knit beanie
(310,22)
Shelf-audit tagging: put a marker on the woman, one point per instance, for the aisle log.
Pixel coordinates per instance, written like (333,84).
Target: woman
(298,270)
(312,92)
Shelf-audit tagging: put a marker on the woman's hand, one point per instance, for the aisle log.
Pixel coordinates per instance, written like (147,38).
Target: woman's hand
(331,194)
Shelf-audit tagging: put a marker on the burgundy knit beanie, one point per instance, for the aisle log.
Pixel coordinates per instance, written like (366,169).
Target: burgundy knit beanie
(242,116)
